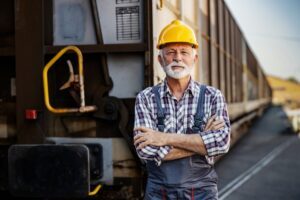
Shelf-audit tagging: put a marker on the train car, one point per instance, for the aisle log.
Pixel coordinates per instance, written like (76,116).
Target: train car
(70,71)
(228,63)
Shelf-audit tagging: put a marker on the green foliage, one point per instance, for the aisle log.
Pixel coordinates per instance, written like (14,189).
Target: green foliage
(293,79)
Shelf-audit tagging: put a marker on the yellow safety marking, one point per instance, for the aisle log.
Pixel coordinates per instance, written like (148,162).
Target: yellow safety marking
(96,190)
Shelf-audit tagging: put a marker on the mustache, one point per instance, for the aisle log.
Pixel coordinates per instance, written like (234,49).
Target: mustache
(178,74)
(173,64)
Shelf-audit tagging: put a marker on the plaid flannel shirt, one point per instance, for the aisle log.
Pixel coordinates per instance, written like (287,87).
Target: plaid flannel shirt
(180,117)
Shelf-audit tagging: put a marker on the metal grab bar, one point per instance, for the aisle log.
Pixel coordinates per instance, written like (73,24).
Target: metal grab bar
(83,107)
(96,190)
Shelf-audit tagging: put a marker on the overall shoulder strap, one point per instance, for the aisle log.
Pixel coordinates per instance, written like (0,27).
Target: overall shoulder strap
(160,110)
(200,110)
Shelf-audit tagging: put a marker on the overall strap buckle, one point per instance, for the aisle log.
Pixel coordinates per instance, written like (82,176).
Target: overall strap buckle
(198,118)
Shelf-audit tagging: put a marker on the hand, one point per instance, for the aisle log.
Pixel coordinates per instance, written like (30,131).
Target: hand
(148,136)
(214,124)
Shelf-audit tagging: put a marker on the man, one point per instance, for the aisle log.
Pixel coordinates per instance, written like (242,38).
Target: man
(180,125)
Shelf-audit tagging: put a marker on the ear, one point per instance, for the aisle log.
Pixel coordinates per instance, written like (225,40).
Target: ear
(160,60)
(196,58)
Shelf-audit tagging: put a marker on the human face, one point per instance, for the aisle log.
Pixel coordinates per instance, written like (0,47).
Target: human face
(178,60)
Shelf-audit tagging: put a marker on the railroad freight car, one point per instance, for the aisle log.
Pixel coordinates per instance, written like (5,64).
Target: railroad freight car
(228,63)
(70,71)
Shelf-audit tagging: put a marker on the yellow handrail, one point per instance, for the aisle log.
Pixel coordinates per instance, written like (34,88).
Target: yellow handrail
(96,190)
(82,108)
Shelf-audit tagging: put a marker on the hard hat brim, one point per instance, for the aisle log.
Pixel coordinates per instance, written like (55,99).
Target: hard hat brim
(161,46)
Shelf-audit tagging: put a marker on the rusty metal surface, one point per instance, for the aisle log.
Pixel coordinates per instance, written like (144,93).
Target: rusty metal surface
(7,20)
(204,42)
(29,61)
(48,22)
(222,54)
(148,31)
(251,62)
(214,43)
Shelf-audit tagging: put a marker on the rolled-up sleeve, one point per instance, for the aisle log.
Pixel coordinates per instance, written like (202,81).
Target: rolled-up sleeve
(217,142)
(143,118)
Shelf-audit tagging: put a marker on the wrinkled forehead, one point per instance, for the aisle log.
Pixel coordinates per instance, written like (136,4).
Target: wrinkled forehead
(178,46)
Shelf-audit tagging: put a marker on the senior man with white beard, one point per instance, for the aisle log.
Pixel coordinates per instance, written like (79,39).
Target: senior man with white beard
(180,124)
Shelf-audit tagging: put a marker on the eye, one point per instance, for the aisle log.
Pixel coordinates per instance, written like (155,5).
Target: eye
(185,53)
(170,53)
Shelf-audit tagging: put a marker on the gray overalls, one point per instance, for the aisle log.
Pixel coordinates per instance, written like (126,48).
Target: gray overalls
(189,178)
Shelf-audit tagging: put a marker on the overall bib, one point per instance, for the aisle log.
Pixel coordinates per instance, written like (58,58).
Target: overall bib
(190,178)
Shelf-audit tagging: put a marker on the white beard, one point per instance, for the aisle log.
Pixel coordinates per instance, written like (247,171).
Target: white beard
(178,74)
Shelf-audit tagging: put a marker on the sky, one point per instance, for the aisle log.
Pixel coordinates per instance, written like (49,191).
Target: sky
(272,29)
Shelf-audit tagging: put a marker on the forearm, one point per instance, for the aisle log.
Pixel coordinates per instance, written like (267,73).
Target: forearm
(217,142)
(190,142)
(177,153)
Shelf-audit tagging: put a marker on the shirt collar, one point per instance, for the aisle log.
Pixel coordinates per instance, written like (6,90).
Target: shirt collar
(191,87)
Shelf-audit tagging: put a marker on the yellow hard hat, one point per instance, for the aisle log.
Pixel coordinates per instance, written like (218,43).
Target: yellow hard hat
(175,32)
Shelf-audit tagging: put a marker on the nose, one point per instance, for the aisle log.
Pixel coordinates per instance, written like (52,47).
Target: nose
(177,57)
